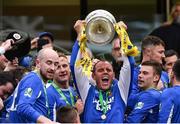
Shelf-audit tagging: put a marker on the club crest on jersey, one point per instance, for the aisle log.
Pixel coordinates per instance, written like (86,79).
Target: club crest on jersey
(28,92)
(139,105)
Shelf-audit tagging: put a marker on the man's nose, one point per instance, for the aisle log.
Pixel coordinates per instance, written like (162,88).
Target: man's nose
(163,55)
(53,67)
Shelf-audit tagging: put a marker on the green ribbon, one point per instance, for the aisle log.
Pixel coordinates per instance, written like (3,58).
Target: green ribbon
(45,92)
(104,106)
(63,96)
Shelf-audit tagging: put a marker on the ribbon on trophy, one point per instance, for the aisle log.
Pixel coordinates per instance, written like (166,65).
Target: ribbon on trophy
(85,62)
(126,46)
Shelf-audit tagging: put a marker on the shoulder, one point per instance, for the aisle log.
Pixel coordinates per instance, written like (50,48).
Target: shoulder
(159,30)
(31,79)
(168,92)
(50,89)
(150,94)
(52,94)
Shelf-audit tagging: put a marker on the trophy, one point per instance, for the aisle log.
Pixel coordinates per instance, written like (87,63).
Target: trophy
(100,27)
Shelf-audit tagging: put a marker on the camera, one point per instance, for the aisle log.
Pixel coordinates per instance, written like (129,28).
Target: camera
(41,42)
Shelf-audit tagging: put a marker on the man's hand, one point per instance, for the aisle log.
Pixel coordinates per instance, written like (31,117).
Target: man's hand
(12,64)
(80,106)
(42,119)
(7,44)
(34,42)
(122,24)
(79,27)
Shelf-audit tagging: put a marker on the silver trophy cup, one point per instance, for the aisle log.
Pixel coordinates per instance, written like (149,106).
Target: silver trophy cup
(100,27)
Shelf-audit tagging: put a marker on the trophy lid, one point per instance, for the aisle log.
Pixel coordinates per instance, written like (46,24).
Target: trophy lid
(100,13)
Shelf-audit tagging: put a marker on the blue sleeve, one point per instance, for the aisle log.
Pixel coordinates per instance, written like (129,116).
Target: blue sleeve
(142,106)
(52,103)
(135,88)
(74,54)
(166,106)
(28,93)
(7,105)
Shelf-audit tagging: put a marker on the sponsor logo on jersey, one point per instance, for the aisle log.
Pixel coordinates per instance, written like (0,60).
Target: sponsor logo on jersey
(98,105)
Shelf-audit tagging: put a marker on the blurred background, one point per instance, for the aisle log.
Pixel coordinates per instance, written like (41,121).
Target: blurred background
(59,16)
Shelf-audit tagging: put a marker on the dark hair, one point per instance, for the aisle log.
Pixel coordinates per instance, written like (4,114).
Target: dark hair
(151,40)
(157,67)
(66,114)
(170,52)
(6,76)
(18,73)
(176,69)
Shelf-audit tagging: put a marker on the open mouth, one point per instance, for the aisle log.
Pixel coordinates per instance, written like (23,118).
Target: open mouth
(105,79)
(140,82)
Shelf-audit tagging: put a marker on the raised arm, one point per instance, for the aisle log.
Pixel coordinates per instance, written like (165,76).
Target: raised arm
(81,80)
(127,50)
(125,77)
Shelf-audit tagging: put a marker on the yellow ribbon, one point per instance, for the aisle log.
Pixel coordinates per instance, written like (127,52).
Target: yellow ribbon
(85,62)
(127,47)
(82,41)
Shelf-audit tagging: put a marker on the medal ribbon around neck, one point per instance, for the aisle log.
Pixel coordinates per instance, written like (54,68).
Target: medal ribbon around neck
(104,106)
(63,96)
(126,46)
(85,62)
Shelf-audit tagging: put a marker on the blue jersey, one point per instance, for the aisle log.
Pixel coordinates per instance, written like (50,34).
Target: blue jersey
(7,105)
(117,96)
(146,107)
(135,89)
(4,115)
(29,100)
(56,101)
(170,105)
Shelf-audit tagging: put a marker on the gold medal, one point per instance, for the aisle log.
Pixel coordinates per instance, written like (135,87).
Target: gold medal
(103,116)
